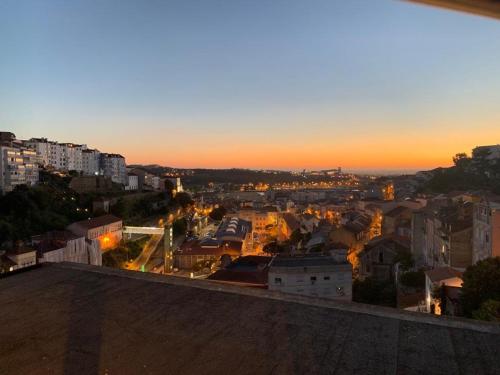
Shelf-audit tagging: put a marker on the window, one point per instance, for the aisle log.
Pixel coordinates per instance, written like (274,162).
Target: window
(277,280)
(326,278)
(313,280)
(381,257)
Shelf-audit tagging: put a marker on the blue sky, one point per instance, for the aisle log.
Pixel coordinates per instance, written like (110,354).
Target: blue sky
(281,84)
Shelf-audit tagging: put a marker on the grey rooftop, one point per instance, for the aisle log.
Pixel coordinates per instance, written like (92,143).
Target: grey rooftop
(75,319)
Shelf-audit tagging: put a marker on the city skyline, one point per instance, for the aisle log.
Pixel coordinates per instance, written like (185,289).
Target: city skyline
(281,85)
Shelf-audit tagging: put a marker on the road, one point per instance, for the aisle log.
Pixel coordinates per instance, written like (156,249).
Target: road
(146,253)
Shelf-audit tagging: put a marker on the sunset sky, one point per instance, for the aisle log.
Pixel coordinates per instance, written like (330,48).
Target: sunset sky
(286,84)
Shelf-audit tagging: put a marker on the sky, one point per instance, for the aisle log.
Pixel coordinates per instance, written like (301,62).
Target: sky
(282,84)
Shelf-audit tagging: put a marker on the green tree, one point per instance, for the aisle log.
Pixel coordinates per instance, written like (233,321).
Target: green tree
(461,160)
(481,282)
(489,310)
(183,199)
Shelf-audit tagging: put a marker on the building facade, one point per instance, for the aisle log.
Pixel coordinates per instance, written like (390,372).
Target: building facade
(113,166)
(486,228)
(315,276)
(18,166)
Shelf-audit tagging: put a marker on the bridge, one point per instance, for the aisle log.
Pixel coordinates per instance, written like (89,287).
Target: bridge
(143,230)
(157,233)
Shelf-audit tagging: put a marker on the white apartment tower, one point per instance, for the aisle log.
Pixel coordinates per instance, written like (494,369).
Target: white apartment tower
(113,166)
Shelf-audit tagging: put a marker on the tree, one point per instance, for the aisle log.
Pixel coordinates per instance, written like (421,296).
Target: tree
(217,213)
(461,160)
(183,199)
(489,310)
(481,282)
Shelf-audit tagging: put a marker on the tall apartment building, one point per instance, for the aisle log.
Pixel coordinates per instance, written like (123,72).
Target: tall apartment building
(113,166)
(73,156)
(91,162)
(18,165)
(60,156)
(77,157)
(486,228)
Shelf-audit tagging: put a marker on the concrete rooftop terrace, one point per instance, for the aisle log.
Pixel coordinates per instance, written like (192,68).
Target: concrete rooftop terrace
(75,319)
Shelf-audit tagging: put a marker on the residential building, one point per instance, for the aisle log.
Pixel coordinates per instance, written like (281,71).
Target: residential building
(261,218)
(395,218)
(442,235)
(91,162)
(107,229)
(287,224)
(486,228)
(196,255)
(311,275)
(133,182)
(18,166)
(248,271)
(60,156)
(380,255)
(113,166)
(383,191)
(435,278)
(42,148)
(489,153)
(21,258)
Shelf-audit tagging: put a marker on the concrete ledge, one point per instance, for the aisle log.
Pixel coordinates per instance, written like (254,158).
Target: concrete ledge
(378,311)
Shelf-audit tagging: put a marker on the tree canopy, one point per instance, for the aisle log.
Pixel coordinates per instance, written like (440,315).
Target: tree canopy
(481,283)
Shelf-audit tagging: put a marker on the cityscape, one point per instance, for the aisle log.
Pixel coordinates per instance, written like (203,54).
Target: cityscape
(134,247)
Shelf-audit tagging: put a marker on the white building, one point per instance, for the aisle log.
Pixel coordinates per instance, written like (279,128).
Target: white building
(73,156)
(113,166)
(64,246)
(42,148)
(107,229)
(91,162)
(133,182)
(486,152)
(18,166)
(21,258)
(316,276)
